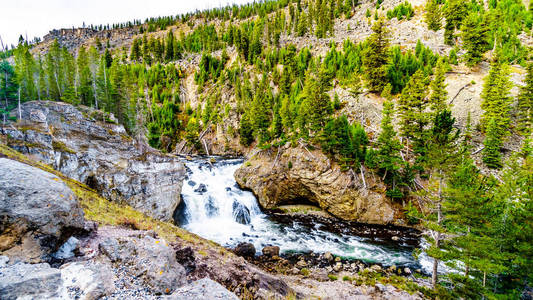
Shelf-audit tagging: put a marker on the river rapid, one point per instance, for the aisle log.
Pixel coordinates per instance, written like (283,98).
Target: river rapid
(214,207)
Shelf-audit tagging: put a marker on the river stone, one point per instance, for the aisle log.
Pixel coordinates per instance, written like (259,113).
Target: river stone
(271,251)
(35,204)
(99,154)
(30,281)
(201,189)
(245,250)
(328,256)
(203,289)
(153,260)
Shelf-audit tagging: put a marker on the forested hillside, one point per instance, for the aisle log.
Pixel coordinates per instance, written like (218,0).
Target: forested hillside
(369,83)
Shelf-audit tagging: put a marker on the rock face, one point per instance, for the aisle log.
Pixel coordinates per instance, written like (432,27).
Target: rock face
(203,289)
(37,281)
(151,259)
(37,210)
(100,155)
(297,175)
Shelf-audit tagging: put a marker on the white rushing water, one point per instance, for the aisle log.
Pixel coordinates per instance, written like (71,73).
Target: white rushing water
(213,202)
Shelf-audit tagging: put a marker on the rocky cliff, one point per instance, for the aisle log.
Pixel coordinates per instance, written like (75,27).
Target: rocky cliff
(300,176)
(100,154)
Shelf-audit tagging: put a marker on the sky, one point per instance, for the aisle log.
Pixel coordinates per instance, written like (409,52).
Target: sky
(35,18)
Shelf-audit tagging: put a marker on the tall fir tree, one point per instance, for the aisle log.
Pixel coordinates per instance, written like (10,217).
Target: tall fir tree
(412,110)
(376,56)
(433,15)
(496,105)
(388,157)
(475,36)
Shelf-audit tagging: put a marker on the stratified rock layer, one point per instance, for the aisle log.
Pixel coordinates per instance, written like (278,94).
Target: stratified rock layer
(297,175)
(77,143)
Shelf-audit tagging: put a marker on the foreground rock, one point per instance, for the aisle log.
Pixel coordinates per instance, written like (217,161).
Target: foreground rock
(38,211)
(37,281)
(148,258)
(203,289)
(296,174)
(76,142)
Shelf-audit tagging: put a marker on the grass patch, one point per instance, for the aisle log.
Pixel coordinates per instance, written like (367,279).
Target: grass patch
(60,146)
(332,277)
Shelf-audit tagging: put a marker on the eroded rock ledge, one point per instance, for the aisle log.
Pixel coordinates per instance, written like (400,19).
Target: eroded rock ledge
(76,142)
(298,175)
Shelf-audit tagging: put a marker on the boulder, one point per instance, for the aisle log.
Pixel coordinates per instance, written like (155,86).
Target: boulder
(29,281)
(86,280)
(76,142)
(203,289)
(151,259)
(300,176)
(271,251)
(38,211)
(245,250)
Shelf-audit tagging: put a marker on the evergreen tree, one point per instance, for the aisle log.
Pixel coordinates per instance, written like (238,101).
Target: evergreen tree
(496,105)
(439,95)
(388,155)
(414,117)
(433,15)
(475,38)
(246,130)
(169,48)
(455,12)
(376,56)
(493,143)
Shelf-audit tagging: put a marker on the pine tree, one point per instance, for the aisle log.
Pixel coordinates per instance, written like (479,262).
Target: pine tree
(525,104)
(496,105)
(455,12)
(414,117)
(388,155)
(376,56)
(433,15)
(493,143)
(475,38)
(439,95)
(84,77)
(246,130)
(169,48)
(440,160)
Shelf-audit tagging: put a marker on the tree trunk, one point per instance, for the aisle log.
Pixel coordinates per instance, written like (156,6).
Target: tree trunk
(20,111)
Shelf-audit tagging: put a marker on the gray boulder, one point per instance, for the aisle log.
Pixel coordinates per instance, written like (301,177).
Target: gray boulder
(76,142)
(203,289)
(37,281)
(153,260)
(36,208)
(86,280)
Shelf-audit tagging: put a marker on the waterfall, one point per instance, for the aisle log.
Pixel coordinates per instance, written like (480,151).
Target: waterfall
(214,207)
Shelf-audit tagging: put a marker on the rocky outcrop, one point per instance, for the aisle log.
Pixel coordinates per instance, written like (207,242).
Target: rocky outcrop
(38,211)
(203,289)
(300,176)
(99,154)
